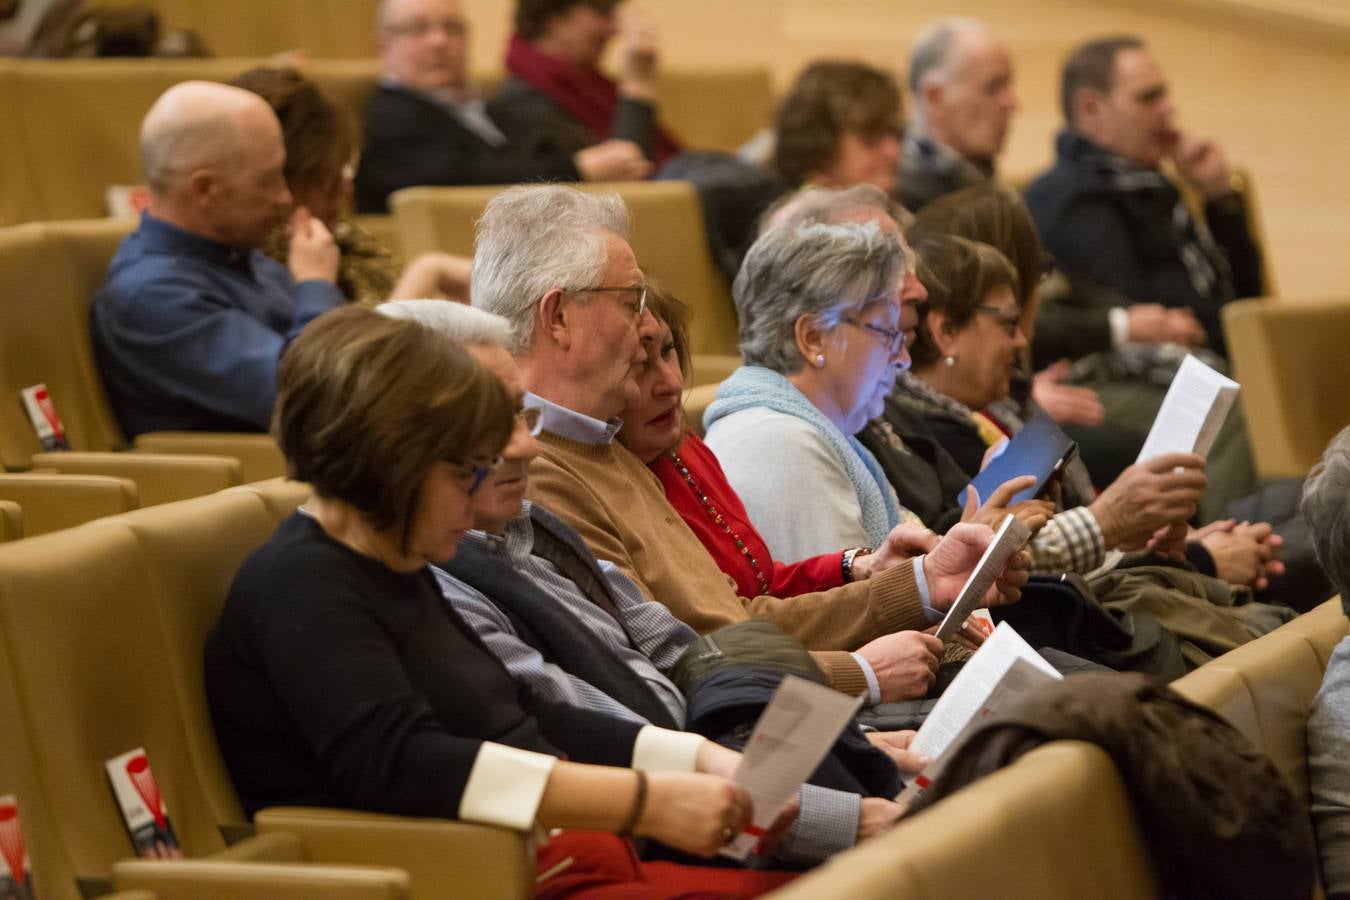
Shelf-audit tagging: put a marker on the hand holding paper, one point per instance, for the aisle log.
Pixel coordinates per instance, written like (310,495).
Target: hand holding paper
(948,568)
(1010,537)
(790,739)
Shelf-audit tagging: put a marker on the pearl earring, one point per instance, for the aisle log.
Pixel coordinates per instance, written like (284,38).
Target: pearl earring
(820,360)
(949,361)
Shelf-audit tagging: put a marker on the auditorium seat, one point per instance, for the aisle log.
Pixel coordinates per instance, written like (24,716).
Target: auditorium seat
(668,238)
(48,275)
(1054,824)
(52,501)
(11,521)
(1287,357)
(696,402)
(104,626)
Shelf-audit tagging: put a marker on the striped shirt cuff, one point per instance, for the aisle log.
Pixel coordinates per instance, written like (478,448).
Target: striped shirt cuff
(662,750)
(505,786)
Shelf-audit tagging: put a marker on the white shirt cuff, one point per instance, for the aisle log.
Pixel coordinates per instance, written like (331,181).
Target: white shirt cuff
(505,786)
(662,750)
(1119,319)
(925,598)
(873,686)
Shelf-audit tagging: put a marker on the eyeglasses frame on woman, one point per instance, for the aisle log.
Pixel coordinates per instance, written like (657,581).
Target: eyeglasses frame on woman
(476,473)
(1010,319)
(894,338)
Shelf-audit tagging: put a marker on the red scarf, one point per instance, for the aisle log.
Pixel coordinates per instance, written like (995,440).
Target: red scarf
(585,93)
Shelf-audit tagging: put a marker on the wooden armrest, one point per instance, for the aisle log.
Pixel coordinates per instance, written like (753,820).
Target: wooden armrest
(259,454)
(712,368)
(160,478)
(479,860)
(210,879)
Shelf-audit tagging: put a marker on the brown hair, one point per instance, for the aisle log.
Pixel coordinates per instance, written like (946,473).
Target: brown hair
(319,136)
(959,274)
(675,313)
(532,15)
(991,214)
(828,100)
(367,403)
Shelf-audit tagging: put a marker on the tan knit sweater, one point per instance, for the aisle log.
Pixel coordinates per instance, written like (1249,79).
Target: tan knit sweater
(618,506)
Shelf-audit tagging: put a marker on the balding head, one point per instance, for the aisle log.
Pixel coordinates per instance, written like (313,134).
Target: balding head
(961,76)
(212,156)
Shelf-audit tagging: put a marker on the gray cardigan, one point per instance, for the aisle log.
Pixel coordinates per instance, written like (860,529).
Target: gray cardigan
(1329,772)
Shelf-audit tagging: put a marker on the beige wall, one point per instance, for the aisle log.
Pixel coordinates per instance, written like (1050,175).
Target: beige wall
(1278,99)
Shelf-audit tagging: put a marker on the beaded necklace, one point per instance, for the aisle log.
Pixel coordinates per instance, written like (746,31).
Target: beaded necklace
(720,520)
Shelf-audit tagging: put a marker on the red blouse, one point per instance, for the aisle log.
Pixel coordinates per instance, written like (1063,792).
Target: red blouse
(816,573)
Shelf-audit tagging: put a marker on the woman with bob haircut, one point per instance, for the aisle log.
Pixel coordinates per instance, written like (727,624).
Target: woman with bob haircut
(838,126)
(338,676)
(821,341)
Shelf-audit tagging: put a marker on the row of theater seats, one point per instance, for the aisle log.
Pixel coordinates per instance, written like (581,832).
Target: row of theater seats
(101,633)
(101,630)
(81,117)
(50,271)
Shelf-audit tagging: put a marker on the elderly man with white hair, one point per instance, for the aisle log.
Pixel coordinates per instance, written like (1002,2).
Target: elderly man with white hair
(190,322)
(1325,495)
(961,77)
(556,263)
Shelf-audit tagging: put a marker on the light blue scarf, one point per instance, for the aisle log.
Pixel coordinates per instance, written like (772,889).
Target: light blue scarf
(753,386)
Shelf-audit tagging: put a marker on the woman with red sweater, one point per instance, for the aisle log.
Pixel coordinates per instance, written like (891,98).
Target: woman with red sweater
(654,430)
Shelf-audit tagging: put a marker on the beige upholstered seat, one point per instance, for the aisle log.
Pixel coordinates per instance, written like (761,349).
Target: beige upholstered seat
(11,520)
(1288,358)
(48,275)
(55,501)
(104,625)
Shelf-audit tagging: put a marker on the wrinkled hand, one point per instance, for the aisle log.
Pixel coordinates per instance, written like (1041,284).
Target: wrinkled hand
(895,744)
(905,542)
(693,812)
(905,664)
(1148,496)
(1032,513)
(1067,404)
(1204,163)
(877,815)
(1153,323)
(970,635)
(638,36)
(1244,554)
(951,562)
(1170,541)
(313,254)
(612,160)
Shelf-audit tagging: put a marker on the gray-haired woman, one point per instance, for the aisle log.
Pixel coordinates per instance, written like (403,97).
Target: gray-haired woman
(821,338)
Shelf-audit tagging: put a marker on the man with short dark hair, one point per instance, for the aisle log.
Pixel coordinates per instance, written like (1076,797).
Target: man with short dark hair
(190,322)
(1110,216)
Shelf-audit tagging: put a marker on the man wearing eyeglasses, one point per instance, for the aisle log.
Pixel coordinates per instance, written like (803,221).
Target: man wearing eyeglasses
(427,123)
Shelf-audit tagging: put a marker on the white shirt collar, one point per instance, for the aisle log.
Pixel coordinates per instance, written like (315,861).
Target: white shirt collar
(570,424)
